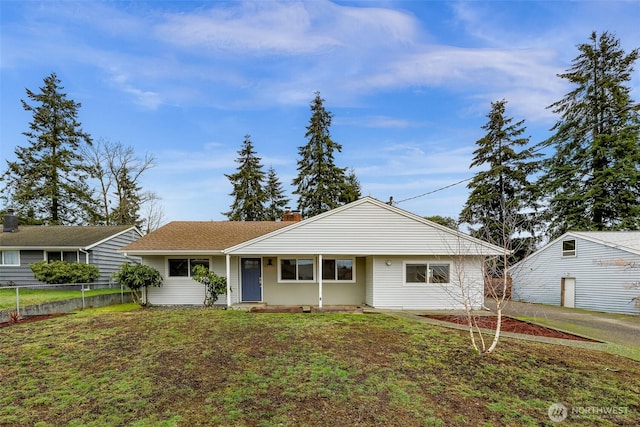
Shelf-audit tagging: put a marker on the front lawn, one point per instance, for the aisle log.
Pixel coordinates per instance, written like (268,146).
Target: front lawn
(33,296)
(213,367)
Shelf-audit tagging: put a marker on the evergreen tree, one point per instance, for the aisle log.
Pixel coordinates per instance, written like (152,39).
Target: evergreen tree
(320,184)
(129,199)
(592,182)
(501,197)
(49,178)
(351,190)
(276,200)
(248,191)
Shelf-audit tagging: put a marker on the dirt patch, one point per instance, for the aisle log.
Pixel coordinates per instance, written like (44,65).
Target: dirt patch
(29,319)
(509,324)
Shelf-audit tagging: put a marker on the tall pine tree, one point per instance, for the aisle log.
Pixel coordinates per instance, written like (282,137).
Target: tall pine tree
(248,191)
(49,178)
(320,184)
(276,200)
(499,206)
(592,182)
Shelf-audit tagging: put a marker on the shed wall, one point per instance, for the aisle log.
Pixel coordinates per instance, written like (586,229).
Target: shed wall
(602,282)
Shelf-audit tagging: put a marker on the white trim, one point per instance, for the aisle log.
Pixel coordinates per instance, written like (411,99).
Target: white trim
(2,264)
(188,258)
(337,258)
(297,257)
(320,280)
(427,263)
(228,273)
(106,239)
(569,253)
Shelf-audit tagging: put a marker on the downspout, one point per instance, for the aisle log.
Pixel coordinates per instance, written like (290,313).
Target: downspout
(228,273)
(86,255)
(320,281)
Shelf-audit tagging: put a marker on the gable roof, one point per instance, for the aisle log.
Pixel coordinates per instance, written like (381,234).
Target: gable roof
(367,222)
(201,236)
(60,236)
(628,241)
(367,227)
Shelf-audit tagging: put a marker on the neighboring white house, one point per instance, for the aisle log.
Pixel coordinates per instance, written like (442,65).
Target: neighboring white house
(366,252)
(591,270)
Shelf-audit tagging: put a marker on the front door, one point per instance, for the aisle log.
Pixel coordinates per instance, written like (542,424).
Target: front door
(251,272)
(568,292)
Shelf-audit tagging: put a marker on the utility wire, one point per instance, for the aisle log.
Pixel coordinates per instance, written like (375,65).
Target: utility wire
(434,191)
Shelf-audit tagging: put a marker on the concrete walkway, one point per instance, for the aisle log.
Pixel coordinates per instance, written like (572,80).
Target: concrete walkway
(607,327)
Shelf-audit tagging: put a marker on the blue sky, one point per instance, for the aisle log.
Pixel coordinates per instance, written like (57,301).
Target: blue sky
(409,83)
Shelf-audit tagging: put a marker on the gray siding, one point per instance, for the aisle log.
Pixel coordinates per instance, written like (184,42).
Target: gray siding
(107,258)
(602,283)
(22,275)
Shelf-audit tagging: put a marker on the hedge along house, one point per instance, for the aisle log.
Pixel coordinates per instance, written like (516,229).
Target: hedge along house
(21,246)
(363,253)
(598,270)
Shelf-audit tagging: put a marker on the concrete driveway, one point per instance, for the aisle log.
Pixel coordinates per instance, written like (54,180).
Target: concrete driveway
(607,327)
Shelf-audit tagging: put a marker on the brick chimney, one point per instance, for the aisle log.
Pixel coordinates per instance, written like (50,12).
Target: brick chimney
(10,222)
(289,215)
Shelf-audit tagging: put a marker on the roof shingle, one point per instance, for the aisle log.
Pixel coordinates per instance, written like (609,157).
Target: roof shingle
(203,235)
(42,236)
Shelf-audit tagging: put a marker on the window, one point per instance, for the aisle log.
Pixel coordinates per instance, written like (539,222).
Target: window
(337,269)
(427,273)
(182,267)
(67,256)
(297,269)
(569,248)
(9,257)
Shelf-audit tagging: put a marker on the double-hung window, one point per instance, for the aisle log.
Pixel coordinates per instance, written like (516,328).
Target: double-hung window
(10,258)
(427,272)
(569,248)
(183,267)
(296,270)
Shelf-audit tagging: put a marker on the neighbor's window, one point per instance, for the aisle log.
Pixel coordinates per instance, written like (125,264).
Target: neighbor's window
(182,267)
(337,269)
(569,248)
(9,257)
(68,256)
(296,269)
(427,273)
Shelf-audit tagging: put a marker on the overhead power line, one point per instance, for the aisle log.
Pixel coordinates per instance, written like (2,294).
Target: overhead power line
(434,191)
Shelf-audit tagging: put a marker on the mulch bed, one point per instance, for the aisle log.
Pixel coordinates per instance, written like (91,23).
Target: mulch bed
(510,324)
(29,319)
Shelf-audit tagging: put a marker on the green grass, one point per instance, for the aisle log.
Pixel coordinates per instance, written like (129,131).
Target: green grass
(33,296)
(126,366)
(620,349)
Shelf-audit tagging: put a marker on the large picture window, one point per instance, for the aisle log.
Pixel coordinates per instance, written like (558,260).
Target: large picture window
(337,269)
(9,258)
(417,273)
(182,267)
(297,269)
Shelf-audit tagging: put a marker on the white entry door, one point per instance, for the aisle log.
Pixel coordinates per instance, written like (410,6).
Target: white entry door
(568,292)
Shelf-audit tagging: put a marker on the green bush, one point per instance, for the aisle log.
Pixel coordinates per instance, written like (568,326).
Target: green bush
(214,284)
(136,277)
(61,272)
